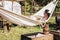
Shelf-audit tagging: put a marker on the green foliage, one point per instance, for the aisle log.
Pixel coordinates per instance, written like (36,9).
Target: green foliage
(29,1)
(28,7)
(52,20)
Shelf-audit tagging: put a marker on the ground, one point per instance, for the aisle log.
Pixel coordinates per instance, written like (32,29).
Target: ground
(16,32)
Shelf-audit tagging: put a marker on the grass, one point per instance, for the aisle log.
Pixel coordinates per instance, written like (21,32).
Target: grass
(52,20)
(16,32)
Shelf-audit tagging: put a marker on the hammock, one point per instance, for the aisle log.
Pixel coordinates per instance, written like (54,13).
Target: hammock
(27,21)
(51,7)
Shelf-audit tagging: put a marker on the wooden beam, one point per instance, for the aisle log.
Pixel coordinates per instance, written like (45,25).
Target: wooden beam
(3,3)
(12,5)
(20,0)
(25,6)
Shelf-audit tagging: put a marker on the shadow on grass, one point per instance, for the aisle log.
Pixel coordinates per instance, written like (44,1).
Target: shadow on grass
(1,28)
(52,26)
(13,25)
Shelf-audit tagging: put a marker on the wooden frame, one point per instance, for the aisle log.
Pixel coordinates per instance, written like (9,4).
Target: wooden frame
(3,3)
(12,3)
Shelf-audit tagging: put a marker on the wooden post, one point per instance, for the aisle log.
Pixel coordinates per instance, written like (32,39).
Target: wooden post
(6,27)
(32,6)
(1,22)
(3,3)
(46,29)
(25,6)
(12,5)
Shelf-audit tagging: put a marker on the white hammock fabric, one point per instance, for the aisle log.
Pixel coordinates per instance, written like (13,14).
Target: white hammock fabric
(51,7)
(8,6)
(26,21)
